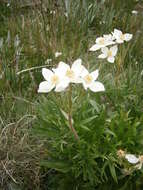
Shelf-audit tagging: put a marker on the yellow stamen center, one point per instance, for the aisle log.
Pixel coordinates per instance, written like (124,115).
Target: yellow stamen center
(101,41)
(70,73)
(109,53)
(122,37)
(55,79)
(121,153)
(88,79)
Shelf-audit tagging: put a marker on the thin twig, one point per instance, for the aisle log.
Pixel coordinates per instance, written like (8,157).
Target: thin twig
(32,68)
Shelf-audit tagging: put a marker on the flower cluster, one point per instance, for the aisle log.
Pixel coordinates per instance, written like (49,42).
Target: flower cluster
(59,78)
(131,158)
(116,37)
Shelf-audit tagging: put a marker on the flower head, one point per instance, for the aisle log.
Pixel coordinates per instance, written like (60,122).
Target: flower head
(134,12)
(89,80)
(101,42)
(120,37)
(59,78)
(132,158)
(57,54)
(71,74)
(53,80)
(109,53)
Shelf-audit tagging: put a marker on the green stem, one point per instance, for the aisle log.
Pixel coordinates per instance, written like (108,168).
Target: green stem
(70,114)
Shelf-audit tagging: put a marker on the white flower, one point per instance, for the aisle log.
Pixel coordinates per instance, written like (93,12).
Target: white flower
(132,158)
(120,37)
(134,12)
(57,54)
(48,61)
(52,80)
(109,53)
(101,42)
(71,74)
(52,12)
(89,80)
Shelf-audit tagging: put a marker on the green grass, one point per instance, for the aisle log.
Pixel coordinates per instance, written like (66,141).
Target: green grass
(37,148)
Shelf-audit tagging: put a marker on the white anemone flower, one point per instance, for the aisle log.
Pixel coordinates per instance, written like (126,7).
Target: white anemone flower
(57,54)
(109,53)
(120,37)
(71,74)
(89,80)
(101,42)
(134,12)
(53,79)
(132,158)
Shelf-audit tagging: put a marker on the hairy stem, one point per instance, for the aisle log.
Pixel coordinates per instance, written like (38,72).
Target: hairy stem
(70,114)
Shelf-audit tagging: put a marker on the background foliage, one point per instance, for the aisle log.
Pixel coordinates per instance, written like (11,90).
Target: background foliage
(37,149)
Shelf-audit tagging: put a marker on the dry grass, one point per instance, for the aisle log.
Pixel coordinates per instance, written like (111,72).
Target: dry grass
(19,154)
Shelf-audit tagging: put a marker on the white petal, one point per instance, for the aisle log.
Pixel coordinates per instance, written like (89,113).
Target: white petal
(84,71)
(108,36)
(77,62)
(77,67)
(63,65)
(45,87)
(97,87)
(98,40)
(119,41)
(134,12)
(105,50)
(110,43)
(132,158)
(61,69)
(95,47)
(85,86)
(57,54)
(95,74)
(47,74)
(114,50)
(59,88)
(111,59)
(109,39)
(128,37)
(117,33)
(62,85)
(102,56)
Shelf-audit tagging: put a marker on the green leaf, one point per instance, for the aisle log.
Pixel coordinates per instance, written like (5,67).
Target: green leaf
(95,105)
(61,166)
(85,128)
(113,171)
(64,114)
(88,120)
(108,131)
